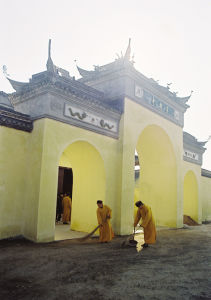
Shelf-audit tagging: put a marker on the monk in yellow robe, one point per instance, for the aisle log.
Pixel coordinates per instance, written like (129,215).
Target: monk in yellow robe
(144,212)
(103,217)
(67,205)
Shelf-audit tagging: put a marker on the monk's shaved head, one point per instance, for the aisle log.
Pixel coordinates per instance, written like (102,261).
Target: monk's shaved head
(139,203)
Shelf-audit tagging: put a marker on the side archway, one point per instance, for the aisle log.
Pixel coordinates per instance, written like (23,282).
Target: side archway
(190,196)
(89,183)
(157,184)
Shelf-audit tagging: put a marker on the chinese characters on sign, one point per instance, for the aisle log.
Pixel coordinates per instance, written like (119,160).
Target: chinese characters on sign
(156,103)
(191,155)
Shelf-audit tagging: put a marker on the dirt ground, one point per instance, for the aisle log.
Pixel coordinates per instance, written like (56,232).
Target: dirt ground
(178,266)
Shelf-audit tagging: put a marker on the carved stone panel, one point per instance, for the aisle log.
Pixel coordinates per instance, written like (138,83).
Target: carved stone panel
(90,118)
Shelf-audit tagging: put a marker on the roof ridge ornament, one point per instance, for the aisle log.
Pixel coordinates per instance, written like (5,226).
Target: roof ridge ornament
(50,65)
(4,69)
(128,51)
(207,140)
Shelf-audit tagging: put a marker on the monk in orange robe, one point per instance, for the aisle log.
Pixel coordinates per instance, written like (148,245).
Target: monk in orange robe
(67,205)
(103,217)
(144,212)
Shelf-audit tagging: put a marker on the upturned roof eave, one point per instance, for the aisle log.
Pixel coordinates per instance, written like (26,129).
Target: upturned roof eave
(136,75)
(85,98)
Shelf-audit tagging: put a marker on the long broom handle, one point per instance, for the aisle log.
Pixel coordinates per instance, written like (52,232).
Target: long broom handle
(89,234)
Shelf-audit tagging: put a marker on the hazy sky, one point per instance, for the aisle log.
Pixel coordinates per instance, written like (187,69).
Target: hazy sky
(171,40)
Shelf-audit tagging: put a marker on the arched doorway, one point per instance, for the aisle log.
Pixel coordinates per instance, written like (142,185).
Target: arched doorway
(158,174)
(88,183)
(190,196)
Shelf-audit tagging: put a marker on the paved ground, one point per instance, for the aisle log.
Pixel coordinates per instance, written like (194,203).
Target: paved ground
(178,266)
(63,232)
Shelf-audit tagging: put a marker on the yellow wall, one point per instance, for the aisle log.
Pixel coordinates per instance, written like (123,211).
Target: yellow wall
(12,180)
(88,183)
(191,196)
(206,198)
(29,164)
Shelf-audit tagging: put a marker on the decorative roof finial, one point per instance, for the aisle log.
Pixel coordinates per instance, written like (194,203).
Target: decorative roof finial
(127,53)
(168,85)
(132,59)
(50,65)
(4,68)
(49,48)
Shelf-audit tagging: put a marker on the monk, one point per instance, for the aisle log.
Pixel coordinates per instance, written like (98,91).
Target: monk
(103,217)
(67,205)
(148,223)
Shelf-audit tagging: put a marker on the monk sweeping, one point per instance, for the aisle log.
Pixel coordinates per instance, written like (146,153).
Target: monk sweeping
(148,223)
(67,205)
(103,217)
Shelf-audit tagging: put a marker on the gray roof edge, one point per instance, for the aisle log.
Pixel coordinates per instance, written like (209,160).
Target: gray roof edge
(95,105)
(206,173)
(136,75)
(191,141)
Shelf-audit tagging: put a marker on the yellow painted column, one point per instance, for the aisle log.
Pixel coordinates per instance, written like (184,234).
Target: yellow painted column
(191,207)
(34,160)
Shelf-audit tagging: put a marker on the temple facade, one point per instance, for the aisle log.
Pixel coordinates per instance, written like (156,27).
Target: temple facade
(121,135)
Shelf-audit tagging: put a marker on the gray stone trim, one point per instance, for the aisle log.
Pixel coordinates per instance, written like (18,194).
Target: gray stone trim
(191,145)
(12,119)
(4,100)
(66,86)
(196,162)
(98,106)
(124,81)
(52,104)
(155,90)
(3,94)
(140,79)
(206,173)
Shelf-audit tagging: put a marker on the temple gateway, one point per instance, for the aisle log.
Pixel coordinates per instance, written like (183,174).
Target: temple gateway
(113,134)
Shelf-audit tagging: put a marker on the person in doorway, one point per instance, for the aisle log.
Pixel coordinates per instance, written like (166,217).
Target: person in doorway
(144,212)
(67,205)
(59,207)
(103,217)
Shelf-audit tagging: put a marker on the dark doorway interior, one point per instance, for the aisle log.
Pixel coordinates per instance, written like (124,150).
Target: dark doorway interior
(65,181)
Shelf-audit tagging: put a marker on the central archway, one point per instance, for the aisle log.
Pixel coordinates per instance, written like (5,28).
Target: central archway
(158,174)
(88,183)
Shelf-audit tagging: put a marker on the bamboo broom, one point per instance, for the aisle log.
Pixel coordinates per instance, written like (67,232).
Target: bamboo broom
(89,234)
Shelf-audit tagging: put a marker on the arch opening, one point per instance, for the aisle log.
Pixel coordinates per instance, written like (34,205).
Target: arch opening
(88,183)
(157,182)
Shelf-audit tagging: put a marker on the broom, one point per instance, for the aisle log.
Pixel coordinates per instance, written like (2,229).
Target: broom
(89,234)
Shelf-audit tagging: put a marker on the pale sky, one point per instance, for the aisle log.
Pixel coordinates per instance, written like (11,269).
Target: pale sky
(171,40)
